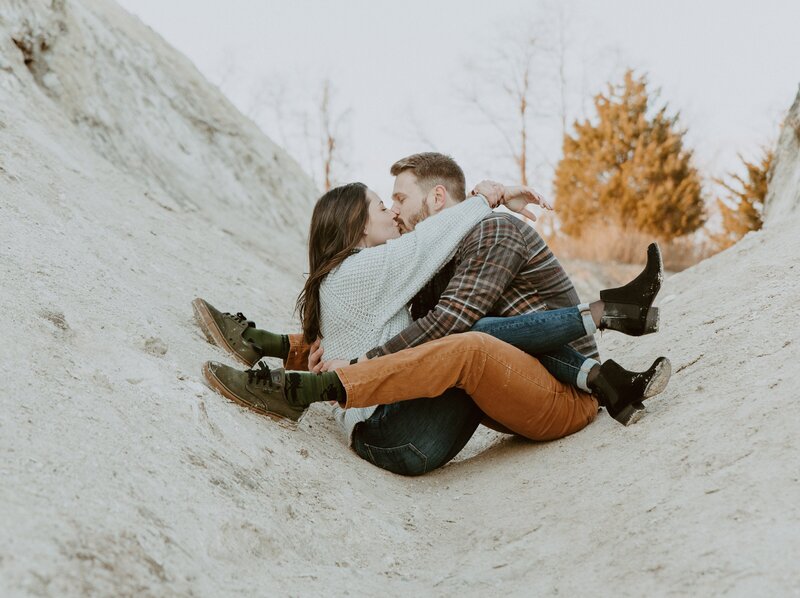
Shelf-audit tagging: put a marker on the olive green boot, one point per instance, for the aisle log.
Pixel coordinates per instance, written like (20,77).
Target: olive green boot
(225,330)
(261,390)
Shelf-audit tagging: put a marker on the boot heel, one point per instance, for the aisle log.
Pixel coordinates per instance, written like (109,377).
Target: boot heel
(629,415)
(636,416)
(652,320)
(630,319)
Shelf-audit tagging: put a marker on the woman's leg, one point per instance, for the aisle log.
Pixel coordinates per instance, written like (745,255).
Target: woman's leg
(297,358)
(508,385)
(545,334)
(570,366)
(540,331)
(240,337)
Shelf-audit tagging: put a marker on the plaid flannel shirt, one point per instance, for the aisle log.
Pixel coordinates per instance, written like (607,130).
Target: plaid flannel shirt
(502,267)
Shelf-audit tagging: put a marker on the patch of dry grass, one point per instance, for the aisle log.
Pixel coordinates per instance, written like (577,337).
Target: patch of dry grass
(610,243)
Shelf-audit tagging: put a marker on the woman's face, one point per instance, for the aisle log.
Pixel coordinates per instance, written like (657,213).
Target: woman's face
(381,225)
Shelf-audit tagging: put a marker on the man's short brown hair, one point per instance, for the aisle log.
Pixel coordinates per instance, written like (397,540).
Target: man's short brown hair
(431,169)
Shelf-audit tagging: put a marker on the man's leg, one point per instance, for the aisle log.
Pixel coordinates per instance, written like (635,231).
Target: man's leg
(508,385)
(417,436)
(413,437)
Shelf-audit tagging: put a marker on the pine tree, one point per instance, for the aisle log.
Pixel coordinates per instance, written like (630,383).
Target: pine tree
(743,208)
(629,168)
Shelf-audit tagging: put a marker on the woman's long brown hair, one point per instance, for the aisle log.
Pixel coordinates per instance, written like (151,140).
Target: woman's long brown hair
(337,227)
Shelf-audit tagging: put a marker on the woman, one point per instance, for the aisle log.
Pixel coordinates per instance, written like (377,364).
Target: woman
(362,275)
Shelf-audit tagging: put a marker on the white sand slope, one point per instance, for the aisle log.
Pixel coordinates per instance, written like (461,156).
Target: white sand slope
(783,197)
(123,475)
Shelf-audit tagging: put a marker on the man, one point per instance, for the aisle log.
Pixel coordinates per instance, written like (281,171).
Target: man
(502,268)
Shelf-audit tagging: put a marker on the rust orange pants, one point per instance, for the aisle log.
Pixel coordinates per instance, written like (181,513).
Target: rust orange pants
(297,360)
(508,385)
(298,354)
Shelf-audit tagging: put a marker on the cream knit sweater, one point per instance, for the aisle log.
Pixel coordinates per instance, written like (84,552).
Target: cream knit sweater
(364,301)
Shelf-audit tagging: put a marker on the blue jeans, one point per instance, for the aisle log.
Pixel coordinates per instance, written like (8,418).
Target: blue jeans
(417,436)
(544,334)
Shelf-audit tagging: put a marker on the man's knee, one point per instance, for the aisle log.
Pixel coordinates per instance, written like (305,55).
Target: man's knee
(406,459)
(479,341)
(417,436)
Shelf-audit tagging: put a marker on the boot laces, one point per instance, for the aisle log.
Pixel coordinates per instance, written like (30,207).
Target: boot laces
(260,376)
(238,316)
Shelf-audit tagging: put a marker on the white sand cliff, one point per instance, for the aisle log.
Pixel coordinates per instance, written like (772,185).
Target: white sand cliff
(129,185)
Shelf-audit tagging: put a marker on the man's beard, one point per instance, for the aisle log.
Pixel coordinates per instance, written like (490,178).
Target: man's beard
(415,219)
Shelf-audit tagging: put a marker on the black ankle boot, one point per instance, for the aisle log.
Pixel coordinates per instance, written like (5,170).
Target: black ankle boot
(620,391)
(628,309)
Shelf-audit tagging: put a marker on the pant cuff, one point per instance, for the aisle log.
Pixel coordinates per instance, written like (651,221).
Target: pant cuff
(297,359)
(583,374)
(588,320)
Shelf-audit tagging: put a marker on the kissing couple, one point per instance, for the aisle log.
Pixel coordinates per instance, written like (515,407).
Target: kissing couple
(423,321)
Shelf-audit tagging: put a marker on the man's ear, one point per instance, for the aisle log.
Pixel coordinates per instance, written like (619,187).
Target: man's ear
(439,198)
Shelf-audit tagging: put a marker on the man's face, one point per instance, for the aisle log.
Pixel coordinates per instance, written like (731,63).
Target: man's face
(409,203)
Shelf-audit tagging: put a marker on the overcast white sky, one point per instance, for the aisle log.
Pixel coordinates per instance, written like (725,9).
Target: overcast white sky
(732,68)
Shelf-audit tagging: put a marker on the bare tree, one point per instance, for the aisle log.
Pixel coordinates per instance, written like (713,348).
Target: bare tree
(515,71)
(310,127)
(524,89)
(332,123)
(267,106)
(519,89)
(559,49)
(227,68)
(413,129)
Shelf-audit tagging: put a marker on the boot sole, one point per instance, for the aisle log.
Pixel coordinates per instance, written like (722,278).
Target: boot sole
(660,379)
(216,384)
(212,332)
(658,382)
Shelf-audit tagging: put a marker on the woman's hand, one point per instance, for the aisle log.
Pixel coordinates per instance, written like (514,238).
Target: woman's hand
(516,198)
(528,193)
(491,190)
(332,364)
(315,352)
